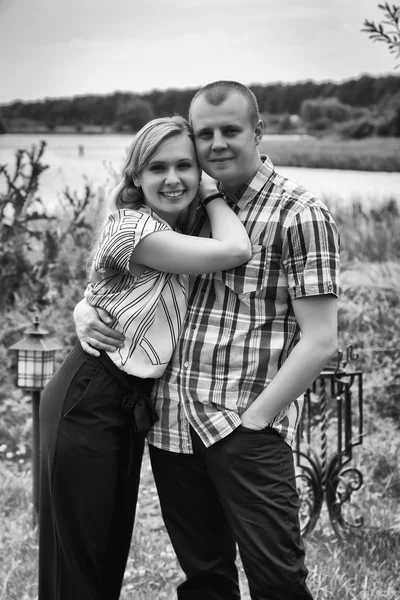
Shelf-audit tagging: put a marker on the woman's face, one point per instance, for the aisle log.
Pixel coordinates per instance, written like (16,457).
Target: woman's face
(170,180)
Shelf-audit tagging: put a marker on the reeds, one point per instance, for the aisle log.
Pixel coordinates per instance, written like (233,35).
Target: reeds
(372,234)
(372,154)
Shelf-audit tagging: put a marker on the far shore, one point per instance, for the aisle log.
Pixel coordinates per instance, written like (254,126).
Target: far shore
(292,149)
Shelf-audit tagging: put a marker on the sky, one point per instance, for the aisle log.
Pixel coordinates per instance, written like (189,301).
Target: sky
(64,48)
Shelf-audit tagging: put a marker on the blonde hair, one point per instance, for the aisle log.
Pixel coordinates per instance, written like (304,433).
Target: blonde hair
(143,147)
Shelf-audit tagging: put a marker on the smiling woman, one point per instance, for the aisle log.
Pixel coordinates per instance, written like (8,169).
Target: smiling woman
(96,409)
(171,178)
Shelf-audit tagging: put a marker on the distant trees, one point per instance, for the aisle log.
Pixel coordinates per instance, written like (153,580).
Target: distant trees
(126,111)
(133,113)
(364,91)
(3,127)
(322,112)
(170,102)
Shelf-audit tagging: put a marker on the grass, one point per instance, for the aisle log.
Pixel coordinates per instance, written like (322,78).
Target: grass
(363,567)
(371,154)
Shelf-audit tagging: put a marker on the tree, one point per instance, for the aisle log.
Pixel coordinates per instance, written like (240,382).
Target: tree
(321,112)
(3,127)
(133,114)
(378,33)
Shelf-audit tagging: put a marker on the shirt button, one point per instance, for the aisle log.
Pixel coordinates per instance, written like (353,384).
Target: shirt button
(186,364)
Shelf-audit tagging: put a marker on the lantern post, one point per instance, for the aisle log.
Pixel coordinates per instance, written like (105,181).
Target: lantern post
(35,367)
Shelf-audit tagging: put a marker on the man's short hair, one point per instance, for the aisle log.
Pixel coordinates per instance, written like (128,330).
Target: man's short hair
(217,92)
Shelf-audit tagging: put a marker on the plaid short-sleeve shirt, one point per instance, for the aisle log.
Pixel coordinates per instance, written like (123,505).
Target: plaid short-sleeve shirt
(240,325)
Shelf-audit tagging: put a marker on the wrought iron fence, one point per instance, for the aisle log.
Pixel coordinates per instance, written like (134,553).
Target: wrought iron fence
(331,426)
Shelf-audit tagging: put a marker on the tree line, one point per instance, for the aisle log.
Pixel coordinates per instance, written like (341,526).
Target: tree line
(129,111)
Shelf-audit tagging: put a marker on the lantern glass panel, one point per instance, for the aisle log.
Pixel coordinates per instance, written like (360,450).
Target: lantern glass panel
(34,368)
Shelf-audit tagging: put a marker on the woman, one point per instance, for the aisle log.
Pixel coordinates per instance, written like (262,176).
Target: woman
(95,411)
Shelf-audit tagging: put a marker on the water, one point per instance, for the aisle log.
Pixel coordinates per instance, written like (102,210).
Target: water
(103,156)
(338,187)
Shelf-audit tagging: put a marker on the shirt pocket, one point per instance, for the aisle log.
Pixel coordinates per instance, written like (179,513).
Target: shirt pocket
(260,284)
(249,277)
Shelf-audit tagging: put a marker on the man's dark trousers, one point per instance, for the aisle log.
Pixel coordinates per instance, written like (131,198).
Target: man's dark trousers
(240,489)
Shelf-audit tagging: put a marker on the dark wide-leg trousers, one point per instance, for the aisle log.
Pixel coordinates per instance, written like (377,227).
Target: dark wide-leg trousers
(90,469)
(240,490)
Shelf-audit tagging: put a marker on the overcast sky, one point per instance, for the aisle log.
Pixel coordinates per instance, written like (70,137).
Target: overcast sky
(62,48)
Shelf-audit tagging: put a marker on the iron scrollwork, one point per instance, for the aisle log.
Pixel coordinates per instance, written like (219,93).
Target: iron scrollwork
(323,474)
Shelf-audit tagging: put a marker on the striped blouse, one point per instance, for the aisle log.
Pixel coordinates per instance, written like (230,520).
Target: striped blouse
(148,309)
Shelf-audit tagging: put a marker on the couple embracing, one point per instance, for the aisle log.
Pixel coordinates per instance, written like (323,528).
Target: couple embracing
(218,305)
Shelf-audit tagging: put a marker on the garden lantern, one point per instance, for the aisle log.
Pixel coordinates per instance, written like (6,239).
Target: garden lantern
(35,357)
(35,366)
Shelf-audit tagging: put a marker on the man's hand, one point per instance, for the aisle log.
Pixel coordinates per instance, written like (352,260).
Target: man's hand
(93,332)
(251,420)
(317,319)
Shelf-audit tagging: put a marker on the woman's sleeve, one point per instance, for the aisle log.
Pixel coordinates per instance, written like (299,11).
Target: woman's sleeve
(123,231)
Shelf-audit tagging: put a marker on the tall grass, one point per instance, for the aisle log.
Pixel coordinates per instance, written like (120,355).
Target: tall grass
(363,567)
(372,154)
(372,234)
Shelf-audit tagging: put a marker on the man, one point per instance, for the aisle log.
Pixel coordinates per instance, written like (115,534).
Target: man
(254,339)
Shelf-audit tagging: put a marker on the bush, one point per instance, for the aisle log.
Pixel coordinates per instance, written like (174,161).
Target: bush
(330,109)
(30,240)
(390,127)
(356,129)
(321,123)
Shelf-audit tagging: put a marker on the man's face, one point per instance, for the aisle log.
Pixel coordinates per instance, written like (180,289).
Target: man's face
(226,142)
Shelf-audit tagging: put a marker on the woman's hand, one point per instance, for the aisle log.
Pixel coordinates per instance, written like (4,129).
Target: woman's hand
(92,331)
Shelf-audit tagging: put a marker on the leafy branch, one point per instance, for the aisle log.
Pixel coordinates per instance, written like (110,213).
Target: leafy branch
(32,241)
(391,36)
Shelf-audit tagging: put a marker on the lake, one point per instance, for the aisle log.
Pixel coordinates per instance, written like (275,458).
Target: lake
(102,156)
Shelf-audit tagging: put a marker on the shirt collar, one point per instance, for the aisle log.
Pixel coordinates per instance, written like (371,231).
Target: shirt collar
(252,186)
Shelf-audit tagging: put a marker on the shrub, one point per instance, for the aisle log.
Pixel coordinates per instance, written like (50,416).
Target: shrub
(356,129)
(391,126)
(30,239)
(330,109)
